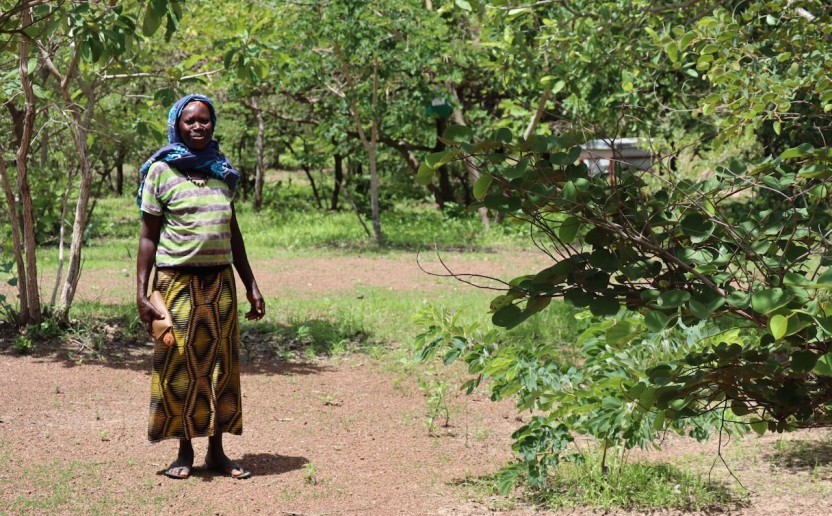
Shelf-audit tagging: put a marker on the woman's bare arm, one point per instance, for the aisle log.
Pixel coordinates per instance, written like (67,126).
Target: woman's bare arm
(148,241)
(238,250)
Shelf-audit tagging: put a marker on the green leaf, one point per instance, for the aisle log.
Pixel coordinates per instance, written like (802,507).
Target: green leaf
(537,303)
(517,170)
(560,159)
(569,192)
(767,300)
(672,50)
(759,427)
(739,408)
(686,39)
(622,332)
(710,48)
(658,422)
(437,159)
(463,4)
(800,151)
(424,176)
(604,260)
(604,306)
(673,298)
(573,154)
(578,298)
(538,143)
(823,367)
(509,316)
(815,171)
(503,134)
(152,21)
(458,133)
(803,361)
(739,299)
(655,321)
(778,325)
(481,186)
(569,229)
(697,227)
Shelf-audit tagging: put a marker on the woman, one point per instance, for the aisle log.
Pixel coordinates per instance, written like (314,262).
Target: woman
(189,232)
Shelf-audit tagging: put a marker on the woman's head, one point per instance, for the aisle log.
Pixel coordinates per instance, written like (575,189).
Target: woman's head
(196,126)
(191,121)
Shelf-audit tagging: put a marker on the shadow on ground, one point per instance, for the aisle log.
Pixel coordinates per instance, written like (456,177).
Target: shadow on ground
(260,464)
(801,454)
(120,342)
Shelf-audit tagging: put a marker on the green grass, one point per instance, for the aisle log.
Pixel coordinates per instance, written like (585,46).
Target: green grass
(633,485)
(55,489)
(112,235)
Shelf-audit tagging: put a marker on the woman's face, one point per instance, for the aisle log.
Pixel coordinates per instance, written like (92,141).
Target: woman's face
(195,126)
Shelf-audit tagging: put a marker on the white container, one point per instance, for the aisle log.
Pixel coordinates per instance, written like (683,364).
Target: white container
(601,155)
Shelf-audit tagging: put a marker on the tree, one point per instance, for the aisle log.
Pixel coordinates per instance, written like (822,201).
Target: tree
(710,298)
(75,43)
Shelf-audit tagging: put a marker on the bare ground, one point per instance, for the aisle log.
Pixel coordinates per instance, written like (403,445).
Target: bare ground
(326,436)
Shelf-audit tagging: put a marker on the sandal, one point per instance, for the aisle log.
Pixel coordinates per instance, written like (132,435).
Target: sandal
(231,468)
(175,470)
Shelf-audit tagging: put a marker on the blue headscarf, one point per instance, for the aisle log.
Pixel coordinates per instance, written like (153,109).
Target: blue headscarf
(180,156)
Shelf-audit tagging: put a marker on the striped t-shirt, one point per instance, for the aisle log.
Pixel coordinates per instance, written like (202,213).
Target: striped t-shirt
(196,225)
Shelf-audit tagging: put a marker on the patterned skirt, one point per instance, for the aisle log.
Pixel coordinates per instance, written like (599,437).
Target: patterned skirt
(195,385)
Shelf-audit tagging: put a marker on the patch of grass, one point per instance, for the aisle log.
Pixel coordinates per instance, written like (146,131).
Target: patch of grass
(634,486)
(803,455)
(64,486)
(112,235)
(310,472)
(405,225)
(631,485)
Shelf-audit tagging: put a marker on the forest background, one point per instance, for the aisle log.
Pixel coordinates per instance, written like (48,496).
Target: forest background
(697,290)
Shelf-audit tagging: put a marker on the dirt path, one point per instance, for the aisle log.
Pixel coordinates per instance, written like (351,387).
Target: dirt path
(310,276)
(330,436)
(325,437)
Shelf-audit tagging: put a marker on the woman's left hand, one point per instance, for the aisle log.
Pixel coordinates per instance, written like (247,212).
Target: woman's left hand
(258,305)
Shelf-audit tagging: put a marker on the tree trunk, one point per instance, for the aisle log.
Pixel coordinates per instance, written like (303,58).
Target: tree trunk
(16,230)
(62,238)
(73,272)
(339,177)
(31,311)
(18,117)
(311,179)
(371,144)
(468,162)
(82,118)
(122,155)
(261,161)
(538,114)
(445,192)
(374,182)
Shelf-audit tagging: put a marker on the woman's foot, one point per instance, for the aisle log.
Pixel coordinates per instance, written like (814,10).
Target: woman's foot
(180,469)
(222,464)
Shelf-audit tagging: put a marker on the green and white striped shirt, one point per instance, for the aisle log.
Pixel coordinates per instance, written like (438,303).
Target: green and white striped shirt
(196,226)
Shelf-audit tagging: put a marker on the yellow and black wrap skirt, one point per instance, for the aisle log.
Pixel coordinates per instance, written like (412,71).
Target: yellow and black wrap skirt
(195,385)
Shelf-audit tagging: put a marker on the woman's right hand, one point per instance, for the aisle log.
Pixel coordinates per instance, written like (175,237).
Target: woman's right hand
(147,313)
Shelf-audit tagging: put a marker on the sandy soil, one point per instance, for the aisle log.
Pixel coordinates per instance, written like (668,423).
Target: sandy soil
(329,436)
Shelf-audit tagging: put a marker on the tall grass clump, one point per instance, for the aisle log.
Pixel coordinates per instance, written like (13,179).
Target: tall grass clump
(632,486)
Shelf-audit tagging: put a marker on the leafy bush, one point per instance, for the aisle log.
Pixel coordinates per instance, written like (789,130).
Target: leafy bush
(608,395)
